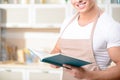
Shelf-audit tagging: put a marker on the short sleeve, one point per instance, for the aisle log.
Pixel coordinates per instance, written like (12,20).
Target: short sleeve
(113,38)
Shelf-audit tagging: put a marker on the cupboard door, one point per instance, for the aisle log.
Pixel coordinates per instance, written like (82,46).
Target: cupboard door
(44,76)
(8,75)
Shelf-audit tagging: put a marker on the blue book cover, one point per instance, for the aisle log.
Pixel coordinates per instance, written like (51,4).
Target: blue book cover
(60,59)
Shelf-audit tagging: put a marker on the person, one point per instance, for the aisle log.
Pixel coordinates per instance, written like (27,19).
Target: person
(91,35)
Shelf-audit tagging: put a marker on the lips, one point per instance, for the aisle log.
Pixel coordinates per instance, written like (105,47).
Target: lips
(81,5)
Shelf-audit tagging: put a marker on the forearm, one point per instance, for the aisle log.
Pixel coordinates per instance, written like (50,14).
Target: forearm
(112,73)
(55,50)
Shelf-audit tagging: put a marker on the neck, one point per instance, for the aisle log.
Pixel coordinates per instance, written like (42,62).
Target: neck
(88,17)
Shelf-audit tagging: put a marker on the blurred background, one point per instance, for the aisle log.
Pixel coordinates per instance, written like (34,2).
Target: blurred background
(35,24)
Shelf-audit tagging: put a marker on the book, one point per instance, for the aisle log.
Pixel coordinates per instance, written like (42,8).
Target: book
(60,59)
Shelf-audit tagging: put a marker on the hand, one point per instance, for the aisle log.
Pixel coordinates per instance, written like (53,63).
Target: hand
(54,66)
(77,72)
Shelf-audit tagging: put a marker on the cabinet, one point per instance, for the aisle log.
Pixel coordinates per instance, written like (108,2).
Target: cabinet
(29,72)
(10,74)
(32,13)
(44,75)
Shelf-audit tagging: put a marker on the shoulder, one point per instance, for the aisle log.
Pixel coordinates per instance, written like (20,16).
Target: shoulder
(107,23)
(109,29)
(107,19)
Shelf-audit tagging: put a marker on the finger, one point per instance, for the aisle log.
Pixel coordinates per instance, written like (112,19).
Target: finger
(67,66)
(54,66)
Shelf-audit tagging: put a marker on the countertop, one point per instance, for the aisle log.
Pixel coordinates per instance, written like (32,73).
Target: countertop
(30,66)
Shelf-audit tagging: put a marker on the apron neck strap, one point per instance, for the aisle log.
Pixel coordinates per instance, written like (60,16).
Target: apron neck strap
(94,25)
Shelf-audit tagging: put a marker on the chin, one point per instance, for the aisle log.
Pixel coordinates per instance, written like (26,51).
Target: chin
(82,11)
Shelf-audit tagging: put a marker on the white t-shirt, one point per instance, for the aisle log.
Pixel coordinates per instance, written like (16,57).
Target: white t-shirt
(106,35)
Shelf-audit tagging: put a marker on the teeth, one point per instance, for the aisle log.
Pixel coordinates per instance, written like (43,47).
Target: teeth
(81,5)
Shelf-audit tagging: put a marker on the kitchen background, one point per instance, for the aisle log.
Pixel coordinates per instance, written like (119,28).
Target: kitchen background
(35,24)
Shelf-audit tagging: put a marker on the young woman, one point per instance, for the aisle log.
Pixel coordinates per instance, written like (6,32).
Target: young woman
(91,35)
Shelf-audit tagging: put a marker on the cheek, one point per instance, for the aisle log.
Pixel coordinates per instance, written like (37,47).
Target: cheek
(72,1)
(91,3)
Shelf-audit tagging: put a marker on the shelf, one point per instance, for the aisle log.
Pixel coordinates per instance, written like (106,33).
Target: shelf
(14,5)
(33,5)
(15,1)
(55,30)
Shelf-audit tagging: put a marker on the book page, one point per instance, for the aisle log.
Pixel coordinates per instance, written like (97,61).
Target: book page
(38,53)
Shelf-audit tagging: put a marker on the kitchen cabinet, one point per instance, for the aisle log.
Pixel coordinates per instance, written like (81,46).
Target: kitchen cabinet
(10,74)
(28,72)
(44,75)
(32,13)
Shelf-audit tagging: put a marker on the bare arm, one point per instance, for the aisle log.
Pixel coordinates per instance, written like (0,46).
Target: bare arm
(112,73)
(55,50)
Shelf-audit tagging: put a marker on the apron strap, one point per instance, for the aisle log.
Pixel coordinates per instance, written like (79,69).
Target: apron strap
(92,34)
(94,26)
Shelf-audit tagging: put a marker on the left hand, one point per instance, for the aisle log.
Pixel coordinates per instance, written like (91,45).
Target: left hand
(77,72)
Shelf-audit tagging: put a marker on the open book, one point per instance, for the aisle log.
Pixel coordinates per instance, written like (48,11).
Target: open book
(60,59)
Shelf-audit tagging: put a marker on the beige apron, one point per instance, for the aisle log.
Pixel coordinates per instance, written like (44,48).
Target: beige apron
(78,48)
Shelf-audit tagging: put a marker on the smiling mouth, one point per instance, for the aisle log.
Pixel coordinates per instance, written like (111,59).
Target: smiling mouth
(81,4)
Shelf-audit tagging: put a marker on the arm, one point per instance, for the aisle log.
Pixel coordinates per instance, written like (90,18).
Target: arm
(112,73)
(56,49)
